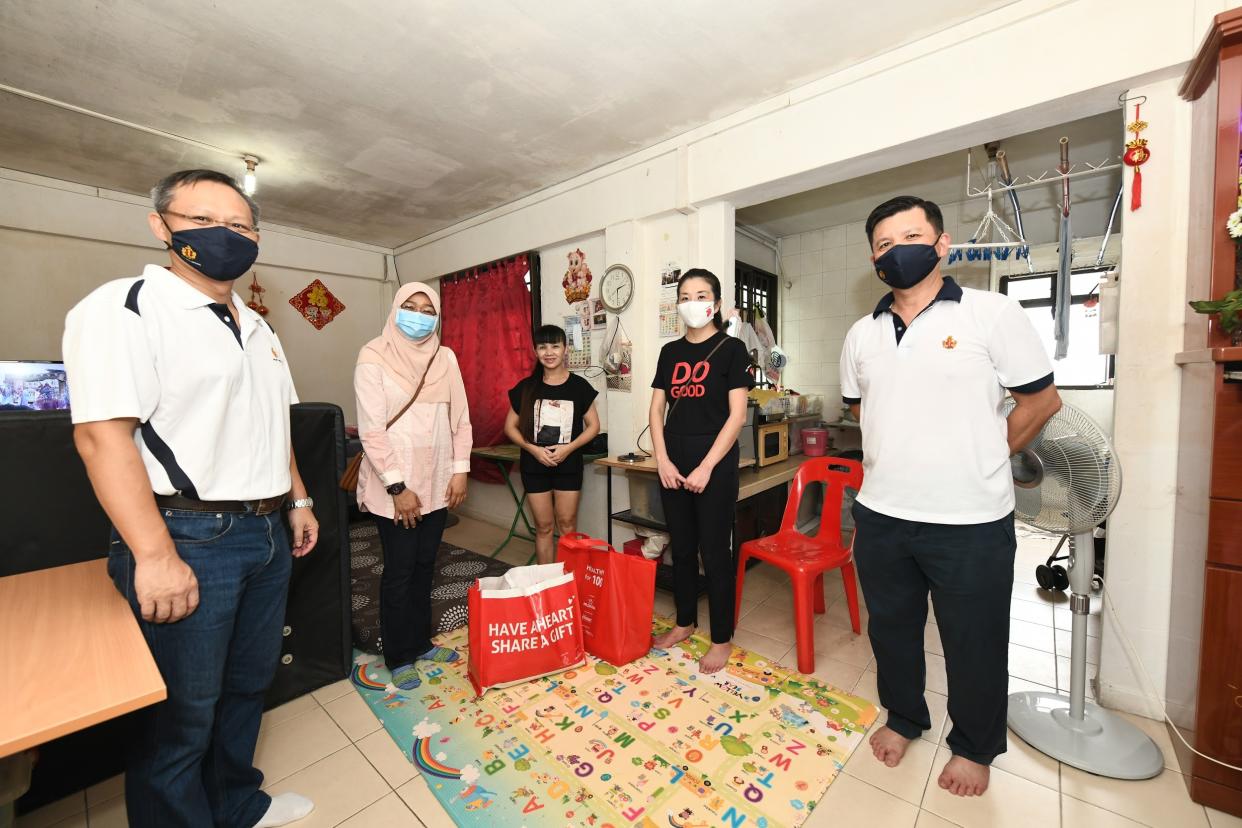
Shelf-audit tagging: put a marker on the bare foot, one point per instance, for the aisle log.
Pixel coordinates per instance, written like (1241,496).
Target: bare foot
(962,777)
(715,658)
(676,635)
(889,746)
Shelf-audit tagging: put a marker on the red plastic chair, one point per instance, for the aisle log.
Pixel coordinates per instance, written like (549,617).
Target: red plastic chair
(805,559)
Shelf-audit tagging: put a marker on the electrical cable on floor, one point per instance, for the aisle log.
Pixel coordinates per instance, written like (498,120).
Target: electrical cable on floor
(1135,660)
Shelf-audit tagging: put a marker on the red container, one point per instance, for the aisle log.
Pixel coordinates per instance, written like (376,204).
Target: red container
(634,546)
(814,442)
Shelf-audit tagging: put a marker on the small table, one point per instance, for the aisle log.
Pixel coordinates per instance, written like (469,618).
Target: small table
(750,486)
(504,456)
(68,618)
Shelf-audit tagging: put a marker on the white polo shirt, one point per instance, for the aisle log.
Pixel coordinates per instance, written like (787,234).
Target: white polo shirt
(935,444)
(212,398)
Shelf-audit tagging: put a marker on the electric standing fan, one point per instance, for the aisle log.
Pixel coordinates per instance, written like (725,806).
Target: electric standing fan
(1067,481)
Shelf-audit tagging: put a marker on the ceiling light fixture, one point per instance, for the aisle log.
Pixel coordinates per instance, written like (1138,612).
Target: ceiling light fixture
(250,183)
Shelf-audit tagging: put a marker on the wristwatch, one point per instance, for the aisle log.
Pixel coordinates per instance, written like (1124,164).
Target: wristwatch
(302,503)
(396,489)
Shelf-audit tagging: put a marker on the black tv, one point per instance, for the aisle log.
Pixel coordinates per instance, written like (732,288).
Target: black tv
(35,386)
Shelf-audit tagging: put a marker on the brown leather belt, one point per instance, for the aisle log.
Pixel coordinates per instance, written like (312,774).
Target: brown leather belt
(259,507)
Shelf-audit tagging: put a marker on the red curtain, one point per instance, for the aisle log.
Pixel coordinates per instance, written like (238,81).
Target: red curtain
(486,321)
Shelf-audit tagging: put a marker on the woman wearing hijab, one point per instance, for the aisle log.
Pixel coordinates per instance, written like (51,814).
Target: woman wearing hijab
(415,430)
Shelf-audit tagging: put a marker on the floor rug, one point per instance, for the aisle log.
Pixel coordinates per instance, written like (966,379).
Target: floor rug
(456,570)
(653,743)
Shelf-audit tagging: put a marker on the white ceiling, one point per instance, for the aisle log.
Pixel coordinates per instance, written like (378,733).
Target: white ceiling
(942,179)
(385,120)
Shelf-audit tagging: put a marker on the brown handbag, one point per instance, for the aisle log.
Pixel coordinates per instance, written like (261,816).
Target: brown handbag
(349,480)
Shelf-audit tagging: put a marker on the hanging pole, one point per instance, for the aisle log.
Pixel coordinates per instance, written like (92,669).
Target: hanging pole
(1108,231)
(1007,180)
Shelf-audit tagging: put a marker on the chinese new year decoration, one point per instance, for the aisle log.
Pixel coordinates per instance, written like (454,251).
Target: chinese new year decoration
(256,296)
(317,304)
(1136,156)
(577,281)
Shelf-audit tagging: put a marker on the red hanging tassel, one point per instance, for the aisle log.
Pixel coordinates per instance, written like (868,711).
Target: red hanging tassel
(1136,155)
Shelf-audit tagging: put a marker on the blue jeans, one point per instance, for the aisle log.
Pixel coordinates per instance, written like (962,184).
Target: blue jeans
(193,762)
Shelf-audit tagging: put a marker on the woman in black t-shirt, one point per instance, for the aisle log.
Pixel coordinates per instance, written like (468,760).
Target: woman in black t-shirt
(702,378)
(552,416)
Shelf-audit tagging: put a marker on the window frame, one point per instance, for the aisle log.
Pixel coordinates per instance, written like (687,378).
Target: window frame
(747,277)
(1075,299)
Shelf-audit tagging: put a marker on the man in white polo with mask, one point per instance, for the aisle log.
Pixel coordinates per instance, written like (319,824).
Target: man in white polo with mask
(926,375)
(181,400)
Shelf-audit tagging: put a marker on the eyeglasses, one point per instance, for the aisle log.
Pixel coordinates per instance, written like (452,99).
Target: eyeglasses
(206,221)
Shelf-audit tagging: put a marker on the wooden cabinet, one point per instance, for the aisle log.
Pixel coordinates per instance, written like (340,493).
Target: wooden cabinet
(1204,677)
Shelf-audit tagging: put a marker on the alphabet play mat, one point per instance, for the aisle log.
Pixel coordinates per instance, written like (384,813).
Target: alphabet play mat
(653,743)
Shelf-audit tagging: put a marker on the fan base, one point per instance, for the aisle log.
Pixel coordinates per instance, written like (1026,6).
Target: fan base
(1103,743)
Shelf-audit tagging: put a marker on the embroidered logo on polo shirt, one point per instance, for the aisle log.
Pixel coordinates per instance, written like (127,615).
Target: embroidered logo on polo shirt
(187,252)
(949,343)
(275,355)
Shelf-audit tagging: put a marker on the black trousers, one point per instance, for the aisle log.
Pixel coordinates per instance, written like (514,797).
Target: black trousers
(702,525)
(969,571)
(405,586)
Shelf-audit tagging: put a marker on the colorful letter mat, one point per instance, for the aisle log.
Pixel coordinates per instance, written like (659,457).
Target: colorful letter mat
(653,743)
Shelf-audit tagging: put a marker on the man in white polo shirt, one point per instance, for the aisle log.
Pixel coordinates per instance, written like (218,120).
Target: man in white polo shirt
(926,375)
(181,400)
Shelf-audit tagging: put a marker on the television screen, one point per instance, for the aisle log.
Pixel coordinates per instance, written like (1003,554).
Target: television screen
(39,386)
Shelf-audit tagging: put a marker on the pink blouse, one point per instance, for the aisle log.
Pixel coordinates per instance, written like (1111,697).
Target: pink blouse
(420,449)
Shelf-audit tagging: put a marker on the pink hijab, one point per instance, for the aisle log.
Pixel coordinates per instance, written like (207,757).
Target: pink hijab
(407,359)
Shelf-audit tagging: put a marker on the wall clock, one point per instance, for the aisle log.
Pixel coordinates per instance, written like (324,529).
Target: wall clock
(616,289)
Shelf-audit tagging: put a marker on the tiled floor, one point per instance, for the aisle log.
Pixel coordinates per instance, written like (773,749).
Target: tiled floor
(329,746)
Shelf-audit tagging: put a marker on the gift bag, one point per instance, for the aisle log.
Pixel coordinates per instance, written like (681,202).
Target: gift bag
(523,625)
(617,592)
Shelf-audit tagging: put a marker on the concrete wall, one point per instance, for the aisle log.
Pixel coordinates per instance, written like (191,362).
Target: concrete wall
(59,241)
(830,130)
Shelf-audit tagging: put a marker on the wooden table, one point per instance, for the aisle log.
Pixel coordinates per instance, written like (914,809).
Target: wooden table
(751,484)
(71,655)
(504,456)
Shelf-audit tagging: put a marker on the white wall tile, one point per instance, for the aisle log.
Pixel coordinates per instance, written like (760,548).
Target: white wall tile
(790,245)
(859,304)
(837,236)
(858,255)
(860,282)
(835,258)
(812,262)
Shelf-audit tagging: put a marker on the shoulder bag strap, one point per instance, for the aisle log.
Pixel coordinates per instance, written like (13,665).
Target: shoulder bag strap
(417,391)
(710,354)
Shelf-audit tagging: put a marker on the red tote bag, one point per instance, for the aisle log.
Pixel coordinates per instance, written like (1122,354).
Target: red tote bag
(523,625)
(617,592)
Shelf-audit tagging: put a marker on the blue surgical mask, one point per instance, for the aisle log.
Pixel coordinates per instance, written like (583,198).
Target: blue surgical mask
(414,324)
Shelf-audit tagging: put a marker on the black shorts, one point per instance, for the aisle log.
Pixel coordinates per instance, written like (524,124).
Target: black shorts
(566,477)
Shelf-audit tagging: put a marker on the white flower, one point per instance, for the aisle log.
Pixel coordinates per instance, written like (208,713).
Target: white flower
(1234,224)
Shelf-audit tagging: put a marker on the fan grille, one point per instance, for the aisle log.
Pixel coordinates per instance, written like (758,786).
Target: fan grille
(1082,478)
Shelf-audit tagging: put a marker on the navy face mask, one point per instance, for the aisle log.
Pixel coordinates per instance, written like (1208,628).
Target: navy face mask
(905,265)
(216,252)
